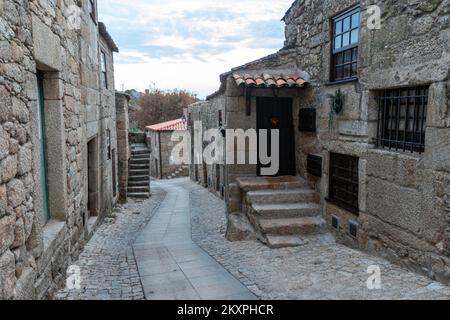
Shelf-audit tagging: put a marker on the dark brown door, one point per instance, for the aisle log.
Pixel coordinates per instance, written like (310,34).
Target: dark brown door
(276,113)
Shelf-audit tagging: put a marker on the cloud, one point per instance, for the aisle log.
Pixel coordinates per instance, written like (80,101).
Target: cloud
(187,44)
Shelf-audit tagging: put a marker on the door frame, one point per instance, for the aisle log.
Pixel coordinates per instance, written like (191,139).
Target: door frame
(292,144)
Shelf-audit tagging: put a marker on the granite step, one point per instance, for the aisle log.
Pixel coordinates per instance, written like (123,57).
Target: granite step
(139,183)
(140,151)
(142,189)
(140,166)
(292,226)
(140,178)
(139,172)
(248,184)
(139,161)
(286,210)
(140,156)
(277,242)
(140,195)
(282,196)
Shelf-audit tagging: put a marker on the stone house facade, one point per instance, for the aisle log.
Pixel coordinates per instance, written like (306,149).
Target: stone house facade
(159,141)
(210,114)
(58,143)
(381,164)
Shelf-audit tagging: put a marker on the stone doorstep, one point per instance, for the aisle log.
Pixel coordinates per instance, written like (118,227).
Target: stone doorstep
(138,189)
(293,226)
(270,183)
(282,196)
(278,242)
(144,183)
(285,210)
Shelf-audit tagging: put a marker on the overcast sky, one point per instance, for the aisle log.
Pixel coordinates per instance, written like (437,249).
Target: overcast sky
(187,44)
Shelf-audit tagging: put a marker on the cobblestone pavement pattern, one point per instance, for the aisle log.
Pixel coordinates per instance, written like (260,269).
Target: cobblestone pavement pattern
(321,269)
(108,267)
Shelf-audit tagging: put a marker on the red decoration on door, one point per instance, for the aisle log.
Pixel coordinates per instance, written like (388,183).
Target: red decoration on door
(275,122)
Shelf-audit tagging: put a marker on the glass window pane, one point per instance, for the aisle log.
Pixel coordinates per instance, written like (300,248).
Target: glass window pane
(348,56)
(346,24)
(338,42)
(340,58)
(346,39)
(355,20)
(347,71)
(339,72)
(338,27)
(355,36)
(355,54)
(354,69)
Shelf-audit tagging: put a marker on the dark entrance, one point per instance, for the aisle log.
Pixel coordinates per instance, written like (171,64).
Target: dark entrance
(276,113)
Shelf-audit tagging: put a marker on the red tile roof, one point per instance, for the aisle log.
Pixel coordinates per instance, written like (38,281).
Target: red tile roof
(266,80)
(174,125)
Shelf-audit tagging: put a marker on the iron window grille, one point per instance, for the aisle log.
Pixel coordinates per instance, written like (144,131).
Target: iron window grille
(402,115)
(344,181)
(345,45)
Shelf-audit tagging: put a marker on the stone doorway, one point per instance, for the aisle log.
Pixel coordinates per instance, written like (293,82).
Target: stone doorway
(276,114)
(93,165)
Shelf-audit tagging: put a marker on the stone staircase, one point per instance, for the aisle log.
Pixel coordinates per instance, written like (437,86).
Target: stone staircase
(139,172)
(283,211)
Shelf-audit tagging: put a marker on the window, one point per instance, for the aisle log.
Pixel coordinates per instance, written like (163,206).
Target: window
(104,70)
(345,45)
(108,143)
(402,118)
(91,8)
(344,181)
(220,118)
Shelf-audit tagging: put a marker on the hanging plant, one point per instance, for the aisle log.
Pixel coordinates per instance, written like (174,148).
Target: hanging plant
(336,105)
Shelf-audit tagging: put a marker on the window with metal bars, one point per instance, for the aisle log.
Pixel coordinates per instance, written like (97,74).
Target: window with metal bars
(345,45)
(344,181)
(402,115)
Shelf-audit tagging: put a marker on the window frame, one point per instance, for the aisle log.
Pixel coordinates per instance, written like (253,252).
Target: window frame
(391,103)
(353,182)
(92,10)
(352,48)
(104,69)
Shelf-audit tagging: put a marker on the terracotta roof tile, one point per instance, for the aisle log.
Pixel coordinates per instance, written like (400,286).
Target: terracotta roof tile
(267,80)
(174,125)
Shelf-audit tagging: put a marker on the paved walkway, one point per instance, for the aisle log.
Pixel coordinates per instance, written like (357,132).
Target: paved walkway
(107,264)
(171,265)
(321,269)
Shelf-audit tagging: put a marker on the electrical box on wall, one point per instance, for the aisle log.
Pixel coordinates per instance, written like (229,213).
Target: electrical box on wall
(307,120)
(314,165)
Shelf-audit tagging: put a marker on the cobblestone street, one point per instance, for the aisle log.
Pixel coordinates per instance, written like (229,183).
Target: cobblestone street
(108,267)
(320,269)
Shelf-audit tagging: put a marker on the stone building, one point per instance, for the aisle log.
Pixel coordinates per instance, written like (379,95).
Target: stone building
(211,115)
(58,144)
(159,141)
(376,170)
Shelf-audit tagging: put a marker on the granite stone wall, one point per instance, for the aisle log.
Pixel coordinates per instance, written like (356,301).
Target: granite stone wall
(403,197)
(37,35)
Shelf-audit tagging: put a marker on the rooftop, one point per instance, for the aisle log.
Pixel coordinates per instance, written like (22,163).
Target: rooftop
(174,125)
